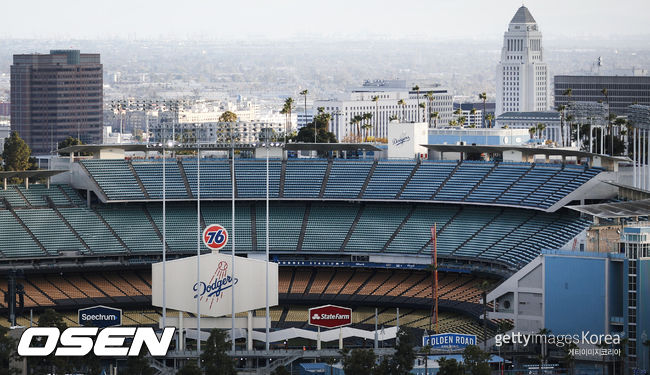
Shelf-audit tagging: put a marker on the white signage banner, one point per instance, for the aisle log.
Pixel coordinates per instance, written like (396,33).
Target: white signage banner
(216,284)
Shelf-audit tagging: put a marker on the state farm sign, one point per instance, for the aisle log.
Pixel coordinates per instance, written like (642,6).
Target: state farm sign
(330,316)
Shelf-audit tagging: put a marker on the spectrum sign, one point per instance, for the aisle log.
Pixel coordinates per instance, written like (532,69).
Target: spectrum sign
(330,316)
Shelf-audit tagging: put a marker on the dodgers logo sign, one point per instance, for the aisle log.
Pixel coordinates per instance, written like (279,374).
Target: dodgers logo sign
(215,236)
(449,341)
(100,316)
(219,282)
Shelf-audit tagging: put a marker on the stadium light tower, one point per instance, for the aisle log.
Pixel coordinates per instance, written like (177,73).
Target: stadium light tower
(198,239)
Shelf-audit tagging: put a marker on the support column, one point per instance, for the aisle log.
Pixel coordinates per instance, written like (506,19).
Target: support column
(26,183)
(635,137)
(591,138)
(249,330)
(647,164)
(181,337)
(642,154)
(4,183)
(88,198)
(318,339)
(340,338)
(48,182)
(376,333)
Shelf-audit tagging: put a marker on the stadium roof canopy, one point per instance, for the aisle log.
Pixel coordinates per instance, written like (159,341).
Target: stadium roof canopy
(97,148)
(527,153)
(615,210)
(30,174)
(323,147)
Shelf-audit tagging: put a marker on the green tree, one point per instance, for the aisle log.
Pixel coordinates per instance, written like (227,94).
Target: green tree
(366,125)
(7,353)
(385,367)
(416,88)
(50,363)
(404,356)
(228,117)
(359,362)
(70,141)
(375,99)
(489,118)
(190,368)
(281,371)
(476,360)
(306,133)
(430,98)
(450,367)
(569,357)
(402,104)
(16,153)
(138,365)
(214,357)
(435,116)
(422,106)
(483,96)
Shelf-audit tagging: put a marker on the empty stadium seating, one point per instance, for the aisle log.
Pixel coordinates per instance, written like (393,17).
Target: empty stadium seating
(114,178)
(499,183)
(510,236)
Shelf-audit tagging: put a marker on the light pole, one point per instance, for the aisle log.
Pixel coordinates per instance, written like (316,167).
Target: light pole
(198,241)
(232,249)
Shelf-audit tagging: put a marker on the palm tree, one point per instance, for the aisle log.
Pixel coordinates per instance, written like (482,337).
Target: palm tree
(423,106)
(453,123)
(540,128)
(532,130)
(489,117)
(402,103)
(416,88)
(561,108)
(367,125)
(358,119)
(392,117)
(473,113)
(304,93)
(288,107)
(284,112)
(430,97)
(435,116)
(461,120)
(376,100)
(483,96)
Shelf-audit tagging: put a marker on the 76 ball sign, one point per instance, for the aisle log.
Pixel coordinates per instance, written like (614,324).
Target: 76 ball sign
(215,236)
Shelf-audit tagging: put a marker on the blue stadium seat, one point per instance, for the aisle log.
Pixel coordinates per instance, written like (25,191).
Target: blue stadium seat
(304,178)
(347,178)
(387,179)
(150,173)
(114,178)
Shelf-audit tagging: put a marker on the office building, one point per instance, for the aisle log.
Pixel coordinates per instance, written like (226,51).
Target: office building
(522,75)
(386,107)
(54,96)
(622,91)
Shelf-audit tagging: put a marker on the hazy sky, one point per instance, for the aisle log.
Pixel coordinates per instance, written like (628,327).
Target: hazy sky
(277,19)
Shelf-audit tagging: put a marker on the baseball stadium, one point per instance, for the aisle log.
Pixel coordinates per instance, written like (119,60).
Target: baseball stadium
(360,231)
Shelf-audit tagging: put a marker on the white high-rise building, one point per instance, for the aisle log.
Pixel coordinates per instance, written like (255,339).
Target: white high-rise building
(522,74)
(386,107)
